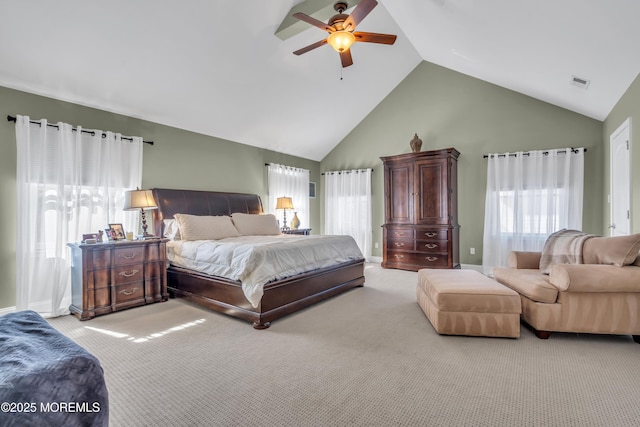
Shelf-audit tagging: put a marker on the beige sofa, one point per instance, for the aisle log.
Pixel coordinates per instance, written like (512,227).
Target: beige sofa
(599,296)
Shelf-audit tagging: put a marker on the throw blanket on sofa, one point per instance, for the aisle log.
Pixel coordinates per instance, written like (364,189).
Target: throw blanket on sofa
(563,247)
(46,379)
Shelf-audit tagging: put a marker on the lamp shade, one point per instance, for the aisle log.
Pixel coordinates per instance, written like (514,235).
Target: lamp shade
(284,203)
(139,199)
(341,40)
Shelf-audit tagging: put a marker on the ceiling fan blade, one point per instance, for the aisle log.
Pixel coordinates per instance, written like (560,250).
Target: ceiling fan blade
(375,37)
(310,47)
(359,13)
(313,21)
(345,58)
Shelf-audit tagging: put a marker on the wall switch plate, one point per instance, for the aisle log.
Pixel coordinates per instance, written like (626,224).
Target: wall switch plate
(375,245)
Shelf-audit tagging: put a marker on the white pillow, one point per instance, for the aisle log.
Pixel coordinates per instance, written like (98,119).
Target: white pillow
(256,225)
(171,229)
(197,227)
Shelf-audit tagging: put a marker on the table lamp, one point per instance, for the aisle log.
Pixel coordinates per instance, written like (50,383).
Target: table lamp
(140,199)
(284,203)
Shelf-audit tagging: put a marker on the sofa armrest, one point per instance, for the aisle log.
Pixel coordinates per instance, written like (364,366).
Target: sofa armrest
(595,278)
(526,260)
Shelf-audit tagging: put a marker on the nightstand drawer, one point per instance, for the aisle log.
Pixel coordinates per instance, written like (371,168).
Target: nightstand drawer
(128,255)
(129,273)
(129,292)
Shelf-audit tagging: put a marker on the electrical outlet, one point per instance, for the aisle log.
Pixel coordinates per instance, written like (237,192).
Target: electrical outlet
(375,245)
(472,251)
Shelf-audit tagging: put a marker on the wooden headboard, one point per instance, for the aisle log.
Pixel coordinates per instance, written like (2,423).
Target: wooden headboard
(195,202)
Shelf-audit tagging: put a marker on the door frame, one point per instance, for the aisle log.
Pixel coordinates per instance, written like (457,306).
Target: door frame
(624,127)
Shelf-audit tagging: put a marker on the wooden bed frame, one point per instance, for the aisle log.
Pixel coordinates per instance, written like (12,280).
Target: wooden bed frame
(280,297)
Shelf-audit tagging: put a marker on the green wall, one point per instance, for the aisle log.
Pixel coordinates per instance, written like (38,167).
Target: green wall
(627,106)
(178,159)
(445,108)
(449,109)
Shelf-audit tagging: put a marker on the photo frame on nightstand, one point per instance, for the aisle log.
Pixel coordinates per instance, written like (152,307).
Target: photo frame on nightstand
(116,232)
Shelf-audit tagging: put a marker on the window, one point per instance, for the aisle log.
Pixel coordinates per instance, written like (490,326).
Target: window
(529,196)
(288,181)
(348,206)
(68,183)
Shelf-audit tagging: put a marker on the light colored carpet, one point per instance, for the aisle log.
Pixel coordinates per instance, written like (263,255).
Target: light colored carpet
(368,357)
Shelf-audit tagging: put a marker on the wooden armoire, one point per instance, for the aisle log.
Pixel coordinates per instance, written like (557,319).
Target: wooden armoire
(421,210)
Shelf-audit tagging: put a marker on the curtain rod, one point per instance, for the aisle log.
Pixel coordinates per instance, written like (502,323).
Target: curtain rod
(348,171)
(546,153)
(104,135)
(267,164)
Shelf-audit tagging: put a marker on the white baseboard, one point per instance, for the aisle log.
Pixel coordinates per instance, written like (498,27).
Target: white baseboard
(7,310)
(376,259)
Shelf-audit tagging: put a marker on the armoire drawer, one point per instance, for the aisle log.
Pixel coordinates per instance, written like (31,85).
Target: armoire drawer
(431,234)
(423,260)
(432,246)
(403,233)
(400,244)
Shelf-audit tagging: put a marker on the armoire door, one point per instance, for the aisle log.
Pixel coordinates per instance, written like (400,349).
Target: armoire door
(432,207)
(399,193)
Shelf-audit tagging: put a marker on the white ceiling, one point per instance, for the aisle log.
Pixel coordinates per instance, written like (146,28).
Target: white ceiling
(216,67)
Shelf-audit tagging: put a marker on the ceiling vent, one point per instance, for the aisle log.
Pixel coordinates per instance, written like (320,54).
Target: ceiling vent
(580,82)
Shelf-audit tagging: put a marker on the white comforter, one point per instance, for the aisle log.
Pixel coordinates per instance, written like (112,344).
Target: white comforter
(256,260)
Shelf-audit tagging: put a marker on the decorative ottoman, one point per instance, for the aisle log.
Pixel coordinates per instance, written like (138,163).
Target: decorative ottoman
(465,302)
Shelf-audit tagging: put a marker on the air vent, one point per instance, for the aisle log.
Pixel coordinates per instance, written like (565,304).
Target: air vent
(580,82)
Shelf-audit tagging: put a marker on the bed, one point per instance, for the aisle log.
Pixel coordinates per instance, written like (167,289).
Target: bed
(46,379)
(279,297)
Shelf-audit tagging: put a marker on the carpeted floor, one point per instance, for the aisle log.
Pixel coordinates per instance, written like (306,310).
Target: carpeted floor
(368,357)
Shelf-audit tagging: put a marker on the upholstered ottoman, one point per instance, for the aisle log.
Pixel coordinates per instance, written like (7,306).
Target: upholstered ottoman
(465,302)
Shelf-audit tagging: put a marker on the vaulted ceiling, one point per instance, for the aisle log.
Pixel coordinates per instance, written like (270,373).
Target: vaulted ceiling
(225,68)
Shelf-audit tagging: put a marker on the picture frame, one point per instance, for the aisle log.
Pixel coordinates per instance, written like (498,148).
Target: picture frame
(116,232)
(312,190)
(91,238)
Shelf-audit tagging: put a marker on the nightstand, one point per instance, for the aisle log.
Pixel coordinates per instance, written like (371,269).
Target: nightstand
(108,277)
(302,231)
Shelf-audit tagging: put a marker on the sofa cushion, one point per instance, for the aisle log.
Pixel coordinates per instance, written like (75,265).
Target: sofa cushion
(521,259)
(528,282)
(618,250)
(595,278)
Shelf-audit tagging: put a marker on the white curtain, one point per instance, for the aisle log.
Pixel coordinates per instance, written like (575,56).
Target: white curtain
(348,206)
(69,182)
(287,181)
(529,196)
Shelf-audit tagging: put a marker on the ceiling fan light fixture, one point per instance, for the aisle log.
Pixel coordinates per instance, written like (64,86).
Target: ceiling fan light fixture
(341,40)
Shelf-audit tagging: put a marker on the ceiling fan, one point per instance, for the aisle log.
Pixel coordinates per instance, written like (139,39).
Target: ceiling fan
(341,29)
